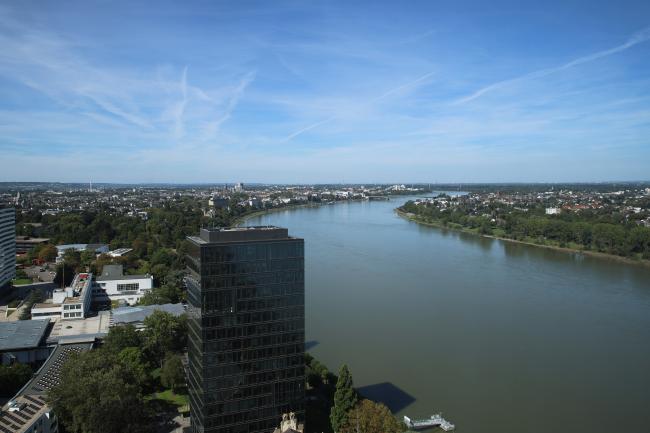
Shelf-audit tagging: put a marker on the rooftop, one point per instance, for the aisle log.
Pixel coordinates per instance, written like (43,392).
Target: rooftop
(124,315)
(31,240)
(48,375)
(88,328)
(22,334)
(116,272)
(240,234)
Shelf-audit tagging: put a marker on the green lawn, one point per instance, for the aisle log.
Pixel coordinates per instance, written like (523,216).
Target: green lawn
(170,396)
(19,281)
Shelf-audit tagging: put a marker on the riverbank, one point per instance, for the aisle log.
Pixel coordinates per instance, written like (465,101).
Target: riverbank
(242,219)
(412,217)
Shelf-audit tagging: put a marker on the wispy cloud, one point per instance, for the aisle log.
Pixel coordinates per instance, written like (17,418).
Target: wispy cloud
(637,38)
(384,95)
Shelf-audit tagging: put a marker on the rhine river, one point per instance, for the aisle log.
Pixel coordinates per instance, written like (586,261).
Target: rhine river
(500,337)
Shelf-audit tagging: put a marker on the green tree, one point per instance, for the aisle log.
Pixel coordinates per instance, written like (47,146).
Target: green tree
(48,253)
(371,417)
(345,399)
(13,377)
(164,333)
(64,271)
(121,337)
(171,374)
(100,392)
(133,360)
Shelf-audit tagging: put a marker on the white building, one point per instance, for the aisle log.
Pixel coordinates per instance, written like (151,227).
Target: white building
(112,283)
(70,303)
(7,245)
(552,211)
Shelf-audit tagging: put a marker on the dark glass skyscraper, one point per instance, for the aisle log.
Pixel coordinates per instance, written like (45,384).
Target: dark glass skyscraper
(246,293)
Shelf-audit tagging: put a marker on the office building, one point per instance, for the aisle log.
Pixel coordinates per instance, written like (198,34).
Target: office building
(7,245)
(246,317)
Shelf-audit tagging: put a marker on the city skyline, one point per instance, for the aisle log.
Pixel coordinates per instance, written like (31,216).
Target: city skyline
(325,92)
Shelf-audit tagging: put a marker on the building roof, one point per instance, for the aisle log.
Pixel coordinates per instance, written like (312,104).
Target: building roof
(22,334)
(48,376)
(31,240)
(124,315)
(116,272)
(240,234)
(31,398)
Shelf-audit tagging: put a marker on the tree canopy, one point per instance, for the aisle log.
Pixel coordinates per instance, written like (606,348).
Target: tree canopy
(101,392)
(371,417)
(345,398)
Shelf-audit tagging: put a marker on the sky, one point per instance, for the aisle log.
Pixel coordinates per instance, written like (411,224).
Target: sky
(320,92)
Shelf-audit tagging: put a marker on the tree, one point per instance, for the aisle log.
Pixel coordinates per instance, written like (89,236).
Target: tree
(121,337)
(164,333)
(133,359)
(64,270)
(48,253)
(100,392)
(13,377)
(345,398)
(171,374)
(371,417)
(72,258)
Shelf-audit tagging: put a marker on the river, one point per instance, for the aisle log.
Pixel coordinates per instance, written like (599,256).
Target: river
(499,336)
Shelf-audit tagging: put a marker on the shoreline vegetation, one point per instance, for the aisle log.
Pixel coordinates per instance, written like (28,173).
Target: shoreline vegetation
(459,228)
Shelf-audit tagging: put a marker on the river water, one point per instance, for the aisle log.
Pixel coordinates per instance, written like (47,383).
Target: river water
(500,337)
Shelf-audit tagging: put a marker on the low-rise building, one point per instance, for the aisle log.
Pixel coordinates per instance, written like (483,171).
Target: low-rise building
(22,341)
(135,315)
(28,411)
(116,286)
(70,303)
(25,244)
(95,248)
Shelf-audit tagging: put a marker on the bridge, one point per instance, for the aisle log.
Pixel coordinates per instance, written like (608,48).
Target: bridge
(434,421)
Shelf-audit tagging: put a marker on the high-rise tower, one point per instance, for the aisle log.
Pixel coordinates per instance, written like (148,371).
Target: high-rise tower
(246,293)
(7,245)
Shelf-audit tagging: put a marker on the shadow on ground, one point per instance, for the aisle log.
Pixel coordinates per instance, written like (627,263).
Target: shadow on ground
(395,398)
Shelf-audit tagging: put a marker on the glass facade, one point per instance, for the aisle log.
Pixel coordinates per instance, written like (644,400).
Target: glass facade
(247,330)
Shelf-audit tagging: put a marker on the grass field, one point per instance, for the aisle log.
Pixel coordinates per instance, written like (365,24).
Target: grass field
(20,281)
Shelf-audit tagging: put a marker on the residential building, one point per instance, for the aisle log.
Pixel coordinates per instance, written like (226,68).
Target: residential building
(246,319)
(7,245)
(116,286)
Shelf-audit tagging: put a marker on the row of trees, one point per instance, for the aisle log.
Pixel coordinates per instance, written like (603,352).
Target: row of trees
(589,231)
(117,377)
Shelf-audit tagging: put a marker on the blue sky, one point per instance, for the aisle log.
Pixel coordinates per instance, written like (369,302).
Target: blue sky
(432,91)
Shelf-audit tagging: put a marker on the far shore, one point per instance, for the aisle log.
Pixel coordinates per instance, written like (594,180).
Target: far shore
(242,219)
(415,219)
